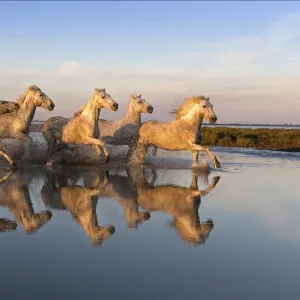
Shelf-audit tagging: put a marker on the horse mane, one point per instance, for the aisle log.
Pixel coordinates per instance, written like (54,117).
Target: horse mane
(21,98)
(187,105)
(78,112)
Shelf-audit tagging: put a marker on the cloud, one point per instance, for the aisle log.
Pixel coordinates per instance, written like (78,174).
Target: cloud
(261,52)
(249,78)
(295,57)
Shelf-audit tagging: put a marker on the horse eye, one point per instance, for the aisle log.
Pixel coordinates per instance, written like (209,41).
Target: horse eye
(204,106)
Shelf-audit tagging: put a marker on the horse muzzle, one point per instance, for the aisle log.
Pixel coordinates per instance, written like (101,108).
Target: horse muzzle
(150,109)
(115,106)
(213,120)
(51,106)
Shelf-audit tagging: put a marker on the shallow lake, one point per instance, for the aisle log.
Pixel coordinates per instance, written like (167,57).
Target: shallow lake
(148,233)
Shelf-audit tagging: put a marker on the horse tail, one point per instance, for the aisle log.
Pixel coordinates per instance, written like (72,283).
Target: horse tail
(48,135)
(134,143)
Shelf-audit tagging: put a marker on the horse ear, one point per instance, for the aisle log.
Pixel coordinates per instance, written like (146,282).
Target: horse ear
(99,90)
(207,98)
(140,96)
(33,88)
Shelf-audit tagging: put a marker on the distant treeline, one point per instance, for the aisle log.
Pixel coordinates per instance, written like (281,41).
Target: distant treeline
(260,138)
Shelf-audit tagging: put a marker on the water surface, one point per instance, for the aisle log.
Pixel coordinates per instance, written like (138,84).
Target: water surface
(145,233)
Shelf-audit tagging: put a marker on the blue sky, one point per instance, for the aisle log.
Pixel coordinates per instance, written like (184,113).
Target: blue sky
(244,55)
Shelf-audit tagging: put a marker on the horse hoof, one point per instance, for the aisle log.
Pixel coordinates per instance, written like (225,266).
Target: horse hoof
(107,159)
(217,164)
(216,180)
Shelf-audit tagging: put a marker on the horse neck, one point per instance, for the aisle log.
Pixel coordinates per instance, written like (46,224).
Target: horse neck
(194,119)
(92,111)
(27,112)
(132,115)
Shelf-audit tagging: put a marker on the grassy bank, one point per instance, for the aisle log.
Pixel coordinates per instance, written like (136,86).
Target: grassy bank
(262,138)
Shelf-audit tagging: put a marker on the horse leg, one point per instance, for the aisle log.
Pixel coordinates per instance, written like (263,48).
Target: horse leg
(10,160)
(195,147)
(95,143)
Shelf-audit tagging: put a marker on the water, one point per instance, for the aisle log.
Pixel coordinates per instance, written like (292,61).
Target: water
(242,242)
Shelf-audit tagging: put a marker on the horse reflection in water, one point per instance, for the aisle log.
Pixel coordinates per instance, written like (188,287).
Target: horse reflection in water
(121,189)
(62,192)
(134,192)
(15,196)
(7,225)
(181,203)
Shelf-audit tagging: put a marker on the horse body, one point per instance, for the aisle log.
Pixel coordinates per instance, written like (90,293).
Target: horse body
(8,107)
(179,134)
(15,125)
(83,127)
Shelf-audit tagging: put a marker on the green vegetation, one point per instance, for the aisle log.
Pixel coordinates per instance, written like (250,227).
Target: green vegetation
(262,138)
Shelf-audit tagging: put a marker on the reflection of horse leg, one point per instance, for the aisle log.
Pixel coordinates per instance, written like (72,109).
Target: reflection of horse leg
(95,143)
(195,158)
(7,175)
(211,186)
(194,184)
(154,150)
(9,159)
(154,176)
(195,147)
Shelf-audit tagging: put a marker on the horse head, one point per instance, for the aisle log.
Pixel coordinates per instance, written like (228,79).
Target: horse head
(38,97)
(191,230)
(206,110)
(140,105)
(104,100)
(201,104)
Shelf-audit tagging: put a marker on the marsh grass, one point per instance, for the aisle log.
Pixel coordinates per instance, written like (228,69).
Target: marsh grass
(261,138)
